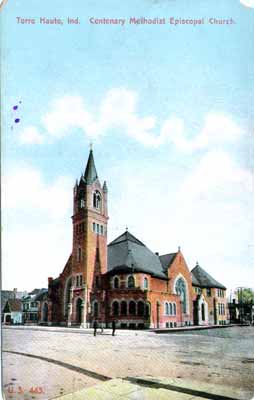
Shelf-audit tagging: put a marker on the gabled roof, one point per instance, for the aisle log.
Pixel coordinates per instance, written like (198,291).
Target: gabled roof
(126,236)
(166,260)
(15,304)
(10,294)
(35,291)
(41,295)
(128,254)
(201,278)
(90,172)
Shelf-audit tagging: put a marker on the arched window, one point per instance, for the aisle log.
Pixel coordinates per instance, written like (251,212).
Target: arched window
(166,309)
(180,288)
(203,311)
(97,199)
(115,308)
(141,308)
(123,308)
(116,282)
(174,308)
(145,283)
(68,294)
(82,203)
(131,282)
(170,309)
(132,307)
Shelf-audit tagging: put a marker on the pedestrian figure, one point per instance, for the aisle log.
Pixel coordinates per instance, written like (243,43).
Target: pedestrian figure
(113,327)
(95,326)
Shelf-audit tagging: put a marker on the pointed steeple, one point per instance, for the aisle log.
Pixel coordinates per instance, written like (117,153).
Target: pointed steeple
(90,172)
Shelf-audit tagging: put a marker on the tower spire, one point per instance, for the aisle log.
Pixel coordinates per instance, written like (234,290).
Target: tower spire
(90,172)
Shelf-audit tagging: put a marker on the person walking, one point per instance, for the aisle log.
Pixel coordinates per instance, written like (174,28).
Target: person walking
(95,326)
(113,327)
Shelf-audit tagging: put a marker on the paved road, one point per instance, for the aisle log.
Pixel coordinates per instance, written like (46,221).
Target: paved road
(57,361)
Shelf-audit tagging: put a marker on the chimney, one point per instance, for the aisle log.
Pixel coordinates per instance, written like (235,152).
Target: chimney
(15,293)
(50,279)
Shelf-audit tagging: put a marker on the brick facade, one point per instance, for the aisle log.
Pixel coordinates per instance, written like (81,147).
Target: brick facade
(131,285)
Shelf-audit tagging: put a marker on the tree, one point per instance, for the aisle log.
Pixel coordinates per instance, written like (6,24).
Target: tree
(245,295)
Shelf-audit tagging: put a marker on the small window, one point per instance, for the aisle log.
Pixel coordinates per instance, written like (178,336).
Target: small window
(208,292)
(166,309)
(145,283)
(101,229)
(170,309)
(116,282)
(174,308)
(97,199)
(79,255)
(94,227)
(131,282)
(98,229)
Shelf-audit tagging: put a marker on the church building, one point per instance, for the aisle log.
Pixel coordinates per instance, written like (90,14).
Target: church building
(124,280)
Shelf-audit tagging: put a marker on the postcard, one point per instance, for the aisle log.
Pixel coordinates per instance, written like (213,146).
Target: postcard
(127,199)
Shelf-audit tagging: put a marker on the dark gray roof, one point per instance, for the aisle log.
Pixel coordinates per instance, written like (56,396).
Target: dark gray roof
(126,253)
(90,172)
(204,279)
(35,291)
(41,295)
(166,260)
(195,282)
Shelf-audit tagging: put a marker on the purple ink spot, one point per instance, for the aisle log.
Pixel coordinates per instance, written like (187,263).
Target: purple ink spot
(17,120)
(15,107)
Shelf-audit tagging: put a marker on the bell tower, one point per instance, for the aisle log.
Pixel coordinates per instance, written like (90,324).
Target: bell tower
(89,248)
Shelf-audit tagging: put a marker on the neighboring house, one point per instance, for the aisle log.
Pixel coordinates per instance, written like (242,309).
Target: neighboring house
(9,294)
(12,312)
(30,306)
(209,299)
(124,281)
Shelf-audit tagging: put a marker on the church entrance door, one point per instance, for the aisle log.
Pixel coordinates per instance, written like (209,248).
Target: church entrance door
(78,311)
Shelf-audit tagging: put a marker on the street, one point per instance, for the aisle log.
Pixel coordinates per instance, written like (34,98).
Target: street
(43,362)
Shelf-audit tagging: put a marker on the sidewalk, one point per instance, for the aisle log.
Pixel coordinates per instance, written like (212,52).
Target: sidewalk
(65,329)
(159,389)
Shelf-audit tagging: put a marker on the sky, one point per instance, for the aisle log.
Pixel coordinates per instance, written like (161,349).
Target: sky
(169,110)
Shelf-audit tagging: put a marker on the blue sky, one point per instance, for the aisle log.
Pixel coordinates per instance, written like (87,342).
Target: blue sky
(169,111)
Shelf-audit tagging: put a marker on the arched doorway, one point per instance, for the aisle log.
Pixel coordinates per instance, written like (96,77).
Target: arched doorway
(45,312)
(67,296)
(203,311)
(78,311)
